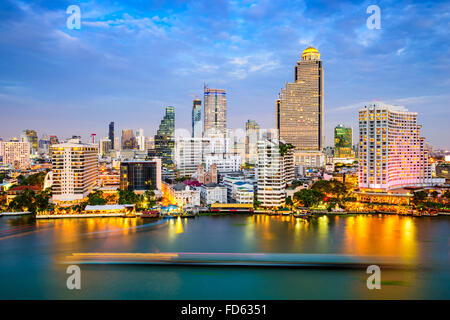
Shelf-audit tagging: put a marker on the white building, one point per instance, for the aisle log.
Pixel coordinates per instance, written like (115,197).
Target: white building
(275,170)
(213,193)
(75,170)
(189,154)
(16,154)
(242,192)
(225,162)
(140,139)
(391,153)
(184,195)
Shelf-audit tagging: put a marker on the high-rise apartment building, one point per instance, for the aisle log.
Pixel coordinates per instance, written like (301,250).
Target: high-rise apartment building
(215,112)
(75,170)
(140,175)
(275,170)
(111,134)
(343,142)
(300,107)
(197,130)
(391,152)
(165,137)
(15,153)
(251,141)
(54,140)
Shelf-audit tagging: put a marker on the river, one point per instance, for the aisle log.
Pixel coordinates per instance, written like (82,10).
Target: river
(31,251)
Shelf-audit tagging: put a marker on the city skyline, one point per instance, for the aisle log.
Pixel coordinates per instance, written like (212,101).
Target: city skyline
(362,65)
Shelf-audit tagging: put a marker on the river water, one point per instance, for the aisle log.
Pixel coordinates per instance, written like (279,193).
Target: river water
(31,251)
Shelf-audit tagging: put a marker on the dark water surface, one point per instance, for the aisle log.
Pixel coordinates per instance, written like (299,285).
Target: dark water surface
(30,252)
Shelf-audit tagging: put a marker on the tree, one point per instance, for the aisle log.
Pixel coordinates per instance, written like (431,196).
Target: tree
(309,197)
(149,197)
(96,199)
(289,202)
(128,197)
(419,196)
(24,201)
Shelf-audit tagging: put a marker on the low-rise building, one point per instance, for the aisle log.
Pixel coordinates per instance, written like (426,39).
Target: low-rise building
(213,193)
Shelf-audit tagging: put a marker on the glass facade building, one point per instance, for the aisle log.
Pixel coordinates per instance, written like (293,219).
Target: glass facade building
(197,130)
(165,138)
(215,112)
(343,142)
(140,175)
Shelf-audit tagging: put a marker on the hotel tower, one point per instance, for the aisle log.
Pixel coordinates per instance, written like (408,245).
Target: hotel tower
(75,170)
(300,109)
(391,151)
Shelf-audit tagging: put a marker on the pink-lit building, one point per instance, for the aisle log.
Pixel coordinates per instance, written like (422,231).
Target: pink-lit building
(391,151)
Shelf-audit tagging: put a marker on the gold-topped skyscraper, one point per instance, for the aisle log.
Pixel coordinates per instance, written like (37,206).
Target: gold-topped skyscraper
(300,109)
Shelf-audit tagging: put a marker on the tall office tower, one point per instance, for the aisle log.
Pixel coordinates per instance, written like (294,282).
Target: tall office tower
(105,146)
(300,108)
(391,153)
(54,140)
(189,154)
(15,153)
(140,139)
(215,112)
(165,137)
(275,170)
(111,134)
(140,175)
(75,170)
(251,141)
(128,140)
(197,130)
(343,142)
(149,143)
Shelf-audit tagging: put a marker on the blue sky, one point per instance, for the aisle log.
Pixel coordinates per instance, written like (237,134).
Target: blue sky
(131,59)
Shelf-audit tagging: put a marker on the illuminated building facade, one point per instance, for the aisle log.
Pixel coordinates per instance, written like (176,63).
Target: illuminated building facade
(215,112)
(31,137)
(165,139)
(140,175)
(391,153)
(300,108)
(75,170)
(275,170)
(197,130)
(15,153)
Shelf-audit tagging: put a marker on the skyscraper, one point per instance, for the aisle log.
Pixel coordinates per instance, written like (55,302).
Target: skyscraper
(111,134)
(215,112)
(165,137)
(128,140)
(197,119)
(140,139)
(300,108)
(343,142)
(391,153)
(75,170)
(251,141)
(31,137)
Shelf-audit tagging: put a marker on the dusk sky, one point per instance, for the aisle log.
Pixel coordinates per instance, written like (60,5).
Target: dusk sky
(131,59)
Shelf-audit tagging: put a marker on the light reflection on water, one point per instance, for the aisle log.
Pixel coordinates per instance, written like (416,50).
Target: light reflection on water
(29,247)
